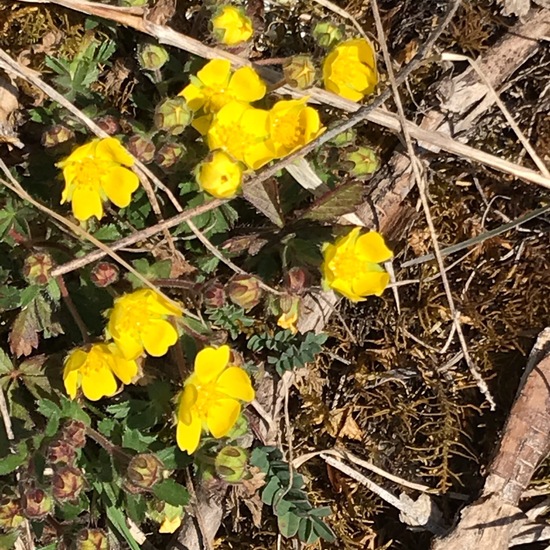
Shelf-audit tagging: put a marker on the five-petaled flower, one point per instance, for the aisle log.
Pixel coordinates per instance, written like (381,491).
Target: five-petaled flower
(351,267)
(220,175)
(215,86)
(211,398)
(96,371)
(231,26)
(349,70)
(292,124)
(138,321)
(242,131)
(97,171)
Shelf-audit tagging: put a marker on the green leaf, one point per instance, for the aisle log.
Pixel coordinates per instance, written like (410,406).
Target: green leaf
(29,294)
(323,530)
(109,232)
(10,297)
(343,200)
(12,461)
(118,520)
(134,439)
(8,540)
(171,492)
(6,365)
(288,524)
(135,507)
(264,196)
(174,458)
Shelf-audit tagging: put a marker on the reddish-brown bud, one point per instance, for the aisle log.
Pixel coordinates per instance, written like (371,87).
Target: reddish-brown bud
(60,452)
(104,274)
(142,148)
(296,279)
(109,124)
(74,432)
(11,514)
(37,268)
(67,483)
(244,291)
(144,471)
(213,294)
(36,503)
(92,539)
(169,155)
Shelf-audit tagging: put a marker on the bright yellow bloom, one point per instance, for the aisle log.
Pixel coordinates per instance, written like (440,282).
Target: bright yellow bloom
(292,124)
(95,172)
(96,371)
(138,321)
(349,70)
(211,398)
(242,132)
(231,26)
(170,518)
(220,175)
(215,86)
(351,265)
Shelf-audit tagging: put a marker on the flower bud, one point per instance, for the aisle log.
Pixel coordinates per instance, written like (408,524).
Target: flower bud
(60,452)
(290,310)
(231,26)
(231,463)
(56,135)
(37,268)
(169,155)
(74,432)
(11,514)
(36,503)
(152,57)
(213,294)
(296,279)
(172,115)
(145,470)
(300,72)
(327,34)
(67,483)
(142,148)
(109,124)
(349,137)
(362,162)
(104,274)
(244,291)
(92,539)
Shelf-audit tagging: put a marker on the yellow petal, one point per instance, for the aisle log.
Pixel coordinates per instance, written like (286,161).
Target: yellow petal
(101,384)
(235,382)
(215,74)
(202,124)
(194,97)
(119,184)
(365,52)
(111,150)
(370,283)
(169,525)
(124,369)
(221,416)
(345,289)
(246,85)
(210,363)
(372,247)
(188,436)
(86,203)
(348,240)
(258,155)
(70,380)
(80,153)
(188,399)
(129,347)
(157,304)
(157,336)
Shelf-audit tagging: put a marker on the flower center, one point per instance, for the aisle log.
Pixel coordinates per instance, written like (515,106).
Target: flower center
(216,99)
(207,395)
(345,265)
(135,315)
(286,131)
(235,140)
(89,173)
(95,363)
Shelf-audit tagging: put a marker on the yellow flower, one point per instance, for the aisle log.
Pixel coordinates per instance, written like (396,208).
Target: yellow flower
(96,371)
(351,267)
(95,172)
(292,124)
(215,86)
(242,132)
(232,26)
(290,311)
(137,322)
(170,518)
(220,175)
(349,70)
(211,398)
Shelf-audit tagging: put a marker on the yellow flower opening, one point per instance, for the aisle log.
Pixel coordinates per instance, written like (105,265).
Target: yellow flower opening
(231,26)
(215,86)
(349,70)
(220,176)
(242,132)
(292,124)
(95,172)
(96,371)
(351,267)
(138,322)
(211,398)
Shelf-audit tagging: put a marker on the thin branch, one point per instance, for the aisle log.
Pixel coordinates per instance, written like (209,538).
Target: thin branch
(72,309)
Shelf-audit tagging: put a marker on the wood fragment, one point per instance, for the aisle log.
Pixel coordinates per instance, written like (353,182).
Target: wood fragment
(495,518)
